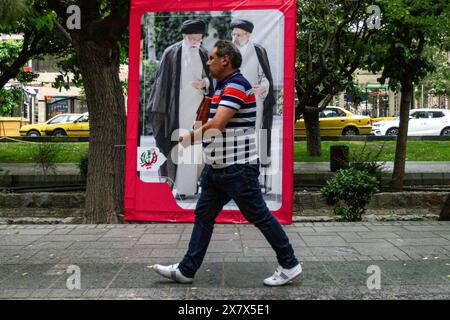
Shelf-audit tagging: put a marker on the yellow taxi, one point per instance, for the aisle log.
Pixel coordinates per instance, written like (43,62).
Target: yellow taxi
(75,128)
(336,121)
(38,129)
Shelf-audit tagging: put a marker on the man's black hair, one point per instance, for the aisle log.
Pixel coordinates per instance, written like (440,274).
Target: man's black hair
(228,48)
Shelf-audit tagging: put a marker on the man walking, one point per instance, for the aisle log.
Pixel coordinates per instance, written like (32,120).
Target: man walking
(232,172)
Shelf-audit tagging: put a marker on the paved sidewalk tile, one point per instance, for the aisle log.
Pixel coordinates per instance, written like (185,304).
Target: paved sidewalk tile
(159,238)
(330,241)
(377,235)
(354,228)
(116,261)
(420,242)
(387,228)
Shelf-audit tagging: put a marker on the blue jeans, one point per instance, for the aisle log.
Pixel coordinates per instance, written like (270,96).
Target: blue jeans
(240,183)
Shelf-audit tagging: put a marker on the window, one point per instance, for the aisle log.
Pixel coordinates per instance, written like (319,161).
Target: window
(436,114)
(419,115)
(47,64)
(83,118)
(340,113)
(334,112)
(328,113)
(72,118)
(58,120)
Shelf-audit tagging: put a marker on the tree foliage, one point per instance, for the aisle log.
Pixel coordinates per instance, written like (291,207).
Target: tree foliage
(399,53)
(408,27)
(332,38)
(436,83)
(36,23)
(9,53)
(12,10)
(10,99)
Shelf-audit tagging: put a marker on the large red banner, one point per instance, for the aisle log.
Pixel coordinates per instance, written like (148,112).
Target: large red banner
(152,194)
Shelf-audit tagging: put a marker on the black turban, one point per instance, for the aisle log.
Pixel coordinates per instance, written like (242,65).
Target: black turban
(193,27)
(242,24)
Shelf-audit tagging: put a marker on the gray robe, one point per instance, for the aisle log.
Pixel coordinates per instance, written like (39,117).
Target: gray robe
(163,103)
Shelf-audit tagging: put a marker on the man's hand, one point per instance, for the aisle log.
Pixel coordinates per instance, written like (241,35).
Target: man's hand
(218,123)
(259,90)
(185,140)
(200,84)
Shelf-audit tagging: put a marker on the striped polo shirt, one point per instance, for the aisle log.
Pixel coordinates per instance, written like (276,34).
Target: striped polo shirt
(236,144)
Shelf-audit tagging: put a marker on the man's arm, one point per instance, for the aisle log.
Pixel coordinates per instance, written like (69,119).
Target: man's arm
(218,122)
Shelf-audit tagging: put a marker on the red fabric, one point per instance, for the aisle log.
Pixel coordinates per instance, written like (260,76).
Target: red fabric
(154,201)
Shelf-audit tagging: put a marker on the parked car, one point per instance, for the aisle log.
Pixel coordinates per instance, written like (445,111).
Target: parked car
(76,128)
(422,122)
(336,121)
(37,129)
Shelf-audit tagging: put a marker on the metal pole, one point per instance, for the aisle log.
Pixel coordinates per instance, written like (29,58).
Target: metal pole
(367,100)
(422,97)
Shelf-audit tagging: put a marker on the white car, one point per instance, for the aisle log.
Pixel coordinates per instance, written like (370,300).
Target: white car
(422,122)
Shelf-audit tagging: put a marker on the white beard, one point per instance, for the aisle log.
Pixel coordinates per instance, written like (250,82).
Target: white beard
(243,48)
(241,45)
(193,50)
(188,45)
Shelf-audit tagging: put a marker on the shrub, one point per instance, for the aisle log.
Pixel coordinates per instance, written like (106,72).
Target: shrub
(83,164)
(368,160)
(349,191)
(45,155)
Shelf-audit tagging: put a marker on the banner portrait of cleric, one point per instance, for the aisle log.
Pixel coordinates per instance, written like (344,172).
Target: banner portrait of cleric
(174,78)
(180,83)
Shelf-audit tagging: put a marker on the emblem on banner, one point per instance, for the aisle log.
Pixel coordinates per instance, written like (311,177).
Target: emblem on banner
(150,159)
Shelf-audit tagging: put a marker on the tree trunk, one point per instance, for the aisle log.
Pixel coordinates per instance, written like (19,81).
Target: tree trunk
(445,213)
(400,150)
(99,65)
(312,126)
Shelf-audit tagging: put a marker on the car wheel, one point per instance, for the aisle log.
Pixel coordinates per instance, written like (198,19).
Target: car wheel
(445,132)
(59,133)
(33,133)
(392,132)
(351,131)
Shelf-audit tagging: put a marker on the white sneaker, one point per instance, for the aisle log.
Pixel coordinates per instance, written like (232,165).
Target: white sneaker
(172,272)
(283,276)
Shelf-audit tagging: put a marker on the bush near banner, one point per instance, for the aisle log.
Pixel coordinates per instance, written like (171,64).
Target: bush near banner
(349,191)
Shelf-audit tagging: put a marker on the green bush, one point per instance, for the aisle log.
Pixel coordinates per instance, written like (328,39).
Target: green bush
(368,160)
(46,155)
(349,191)
(83,164)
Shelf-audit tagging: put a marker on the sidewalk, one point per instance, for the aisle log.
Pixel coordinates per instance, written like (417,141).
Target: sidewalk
(410,167)
(31,168)
(299,167)
(115,261)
